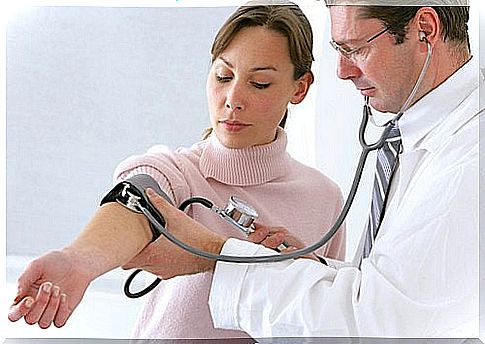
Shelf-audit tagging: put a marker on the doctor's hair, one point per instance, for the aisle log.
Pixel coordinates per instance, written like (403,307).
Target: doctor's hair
(396,15)
(283,17)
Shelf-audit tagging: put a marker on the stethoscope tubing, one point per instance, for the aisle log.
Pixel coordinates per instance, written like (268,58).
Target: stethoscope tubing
(298,253)
(204,201)
(366,149)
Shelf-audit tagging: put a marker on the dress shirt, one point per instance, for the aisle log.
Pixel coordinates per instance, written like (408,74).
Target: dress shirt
(421,277)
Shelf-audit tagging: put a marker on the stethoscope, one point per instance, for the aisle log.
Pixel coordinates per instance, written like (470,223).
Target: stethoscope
(237,213)
(241,215)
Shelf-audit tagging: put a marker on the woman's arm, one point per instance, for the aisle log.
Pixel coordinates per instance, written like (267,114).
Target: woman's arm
(52,285)
(113,236)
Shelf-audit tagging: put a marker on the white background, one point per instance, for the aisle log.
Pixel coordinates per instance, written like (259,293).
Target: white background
(88,86)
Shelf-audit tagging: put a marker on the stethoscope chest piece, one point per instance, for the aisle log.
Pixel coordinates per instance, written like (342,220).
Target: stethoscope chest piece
(240,213)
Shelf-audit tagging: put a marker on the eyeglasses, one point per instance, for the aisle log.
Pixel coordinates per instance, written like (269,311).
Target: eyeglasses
(355,54)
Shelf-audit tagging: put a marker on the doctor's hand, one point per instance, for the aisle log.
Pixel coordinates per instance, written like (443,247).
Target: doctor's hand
(49,289)
(273,237)
(167,260)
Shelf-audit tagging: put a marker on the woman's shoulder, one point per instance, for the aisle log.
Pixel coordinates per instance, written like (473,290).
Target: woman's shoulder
(163,156)
(173,169)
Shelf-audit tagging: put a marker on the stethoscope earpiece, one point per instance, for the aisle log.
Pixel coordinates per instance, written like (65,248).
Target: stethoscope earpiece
(422,36)
(407,103)
(244,208)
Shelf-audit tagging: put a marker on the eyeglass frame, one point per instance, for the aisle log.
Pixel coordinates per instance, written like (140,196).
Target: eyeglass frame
(348,53)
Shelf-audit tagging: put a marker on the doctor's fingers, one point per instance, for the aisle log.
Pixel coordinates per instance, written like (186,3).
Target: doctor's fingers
(171,214)
(270,229)
(273,240)
(270,237)
(259,234)
(289,238)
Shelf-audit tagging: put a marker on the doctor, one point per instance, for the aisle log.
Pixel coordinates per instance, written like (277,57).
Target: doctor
(415,273)
(418,276)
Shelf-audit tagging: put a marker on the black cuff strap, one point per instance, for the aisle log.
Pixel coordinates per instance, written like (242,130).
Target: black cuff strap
(131,193)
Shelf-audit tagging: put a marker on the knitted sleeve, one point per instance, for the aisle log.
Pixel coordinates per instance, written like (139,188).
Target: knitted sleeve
(162,165)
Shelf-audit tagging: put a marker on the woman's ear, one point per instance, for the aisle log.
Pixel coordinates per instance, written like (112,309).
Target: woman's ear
(302,85)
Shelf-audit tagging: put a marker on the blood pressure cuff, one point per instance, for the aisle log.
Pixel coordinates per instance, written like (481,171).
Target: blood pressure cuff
(131,194)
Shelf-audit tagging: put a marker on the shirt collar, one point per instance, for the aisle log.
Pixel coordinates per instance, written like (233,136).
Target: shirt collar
(420,122)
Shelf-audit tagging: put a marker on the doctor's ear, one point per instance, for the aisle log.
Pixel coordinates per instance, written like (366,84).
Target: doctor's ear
(301,88)
(428,25)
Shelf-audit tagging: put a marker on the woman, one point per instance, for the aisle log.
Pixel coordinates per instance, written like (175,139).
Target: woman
(248,89)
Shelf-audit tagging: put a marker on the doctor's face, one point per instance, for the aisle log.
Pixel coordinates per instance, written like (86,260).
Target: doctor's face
(249,87)
(381,69)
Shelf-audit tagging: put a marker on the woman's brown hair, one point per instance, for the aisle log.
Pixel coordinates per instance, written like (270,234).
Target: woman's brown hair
(283,17)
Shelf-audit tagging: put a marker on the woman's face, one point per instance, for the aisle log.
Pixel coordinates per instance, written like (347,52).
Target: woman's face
(249,87)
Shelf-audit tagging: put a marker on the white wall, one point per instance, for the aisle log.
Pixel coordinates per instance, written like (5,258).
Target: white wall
(87,86)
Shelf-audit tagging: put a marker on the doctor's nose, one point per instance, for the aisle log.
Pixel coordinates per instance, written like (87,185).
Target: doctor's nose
(347,69)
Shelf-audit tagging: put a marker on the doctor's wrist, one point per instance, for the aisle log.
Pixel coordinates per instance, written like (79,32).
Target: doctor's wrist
(214,246)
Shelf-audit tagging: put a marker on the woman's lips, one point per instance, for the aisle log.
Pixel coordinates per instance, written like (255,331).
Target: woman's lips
(234,126)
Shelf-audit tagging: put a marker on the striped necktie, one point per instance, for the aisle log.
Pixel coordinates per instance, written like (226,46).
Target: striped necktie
(387,161)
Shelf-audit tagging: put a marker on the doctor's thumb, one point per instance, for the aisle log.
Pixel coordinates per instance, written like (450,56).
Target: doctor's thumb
(159,202)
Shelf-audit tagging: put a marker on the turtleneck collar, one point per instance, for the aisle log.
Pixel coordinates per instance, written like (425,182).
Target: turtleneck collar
(245,166)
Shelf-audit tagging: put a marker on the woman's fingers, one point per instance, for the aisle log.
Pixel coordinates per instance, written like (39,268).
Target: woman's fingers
(63,312)
(50,311)
(20,309)
(41,303)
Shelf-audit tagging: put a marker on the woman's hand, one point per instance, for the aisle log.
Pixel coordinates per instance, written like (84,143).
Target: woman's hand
(274,237)
(50,289)
(52,286)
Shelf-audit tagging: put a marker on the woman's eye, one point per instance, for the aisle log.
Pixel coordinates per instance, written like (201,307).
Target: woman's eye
(222,78)
(261,85)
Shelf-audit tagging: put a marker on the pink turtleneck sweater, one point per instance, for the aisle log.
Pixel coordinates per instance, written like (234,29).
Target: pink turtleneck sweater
(283,191)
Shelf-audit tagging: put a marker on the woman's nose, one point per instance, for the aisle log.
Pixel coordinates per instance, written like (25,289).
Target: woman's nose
(235,98)
(233,106)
